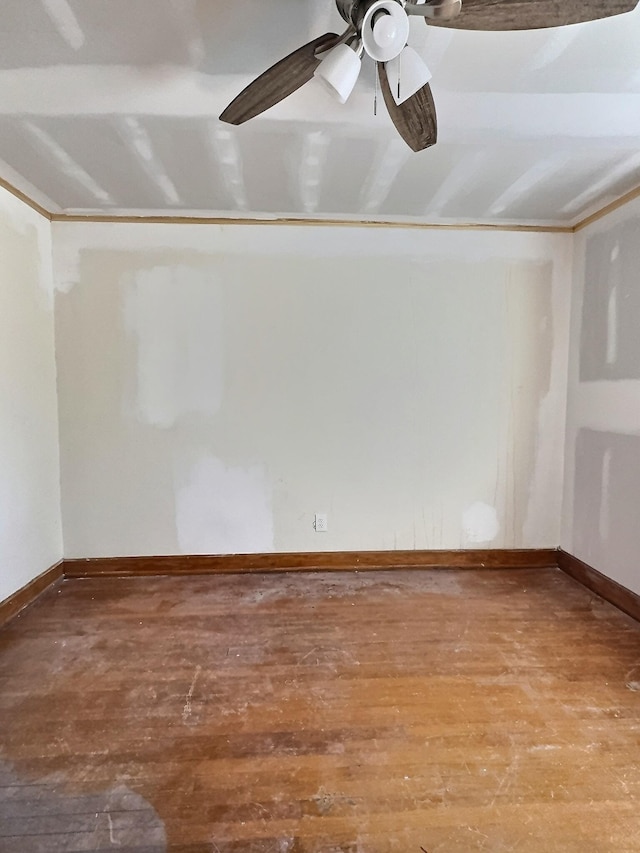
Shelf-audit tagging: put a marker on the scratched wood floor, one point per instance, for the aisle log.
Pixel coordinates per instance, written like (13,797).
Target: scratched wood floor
(442,711)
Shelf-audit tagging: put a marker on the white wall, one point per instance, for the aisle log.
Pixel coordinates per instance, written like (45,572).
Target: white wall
(602,479)
(218,385)
(30,528)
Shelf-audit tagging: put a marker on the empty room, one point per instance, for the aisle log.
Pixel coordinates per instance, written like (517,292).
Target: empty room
(319,426)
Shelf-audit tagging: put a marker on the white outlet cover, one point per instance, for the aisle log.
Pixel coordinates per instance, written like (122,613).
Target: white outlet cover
(321,523)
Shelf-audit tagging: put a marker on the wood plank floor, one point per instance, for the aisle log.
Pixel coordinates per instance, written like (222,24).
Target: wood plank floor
(443,711)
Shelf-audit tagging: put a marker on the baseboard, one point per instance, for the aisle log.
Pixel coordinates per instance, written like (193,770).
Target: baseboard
(613,592)
(324,561)
(11,606)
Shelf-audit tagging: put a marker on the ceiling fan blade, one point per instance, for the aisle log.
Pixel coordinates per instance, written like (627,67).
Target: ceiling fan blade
(530,14)
(444,10)
(277,82)
(415,118)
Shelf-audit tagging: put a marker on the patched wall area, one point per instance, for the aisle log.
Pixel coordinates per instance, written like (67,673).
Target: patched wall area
(30,528)
(602,481)
(218,385)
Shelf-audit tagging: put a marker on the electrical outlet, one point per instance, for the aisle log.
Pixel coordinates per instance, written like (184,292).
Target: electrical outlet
(321,522)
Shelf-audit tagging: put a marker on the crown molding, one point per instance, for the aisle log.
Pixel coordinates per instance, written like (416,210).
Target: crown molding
(26,199)
(294,221)
(607,209)
(328,223)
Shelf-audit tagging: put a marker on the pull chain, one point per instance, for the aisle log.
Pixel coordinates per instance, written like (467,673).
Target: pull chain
(399,62)
(375,94)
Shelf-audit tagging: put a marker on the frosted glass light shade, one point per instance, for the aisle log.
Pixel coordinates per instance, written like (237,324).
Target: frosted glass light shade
(385,30)
(339,71)
(412,72)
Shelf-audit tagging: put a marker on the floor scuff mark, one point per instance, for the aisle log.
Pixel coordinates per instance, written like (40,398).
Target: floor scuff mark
(111,836)
(632,680)
(186,711)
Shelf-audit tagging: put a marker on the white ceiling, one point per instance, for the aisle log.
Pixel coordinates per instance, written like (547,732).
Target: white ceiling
(110,106)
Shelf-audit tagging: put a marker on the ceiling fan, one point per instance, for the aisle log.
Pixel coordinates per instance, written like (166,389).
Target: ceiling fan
(379,29)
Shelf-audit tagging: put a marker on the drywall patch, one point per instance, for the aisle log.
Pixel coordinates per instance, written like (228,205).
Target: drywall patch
(224,510)
(66,258)
(609,342)
(607,495)
(537,320)
(480,523)
(24,227)
(175,314)
(67,273)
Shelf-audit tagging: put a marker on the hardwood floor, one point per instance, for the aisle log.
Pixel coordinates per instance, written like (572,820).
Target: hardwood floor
(445,711)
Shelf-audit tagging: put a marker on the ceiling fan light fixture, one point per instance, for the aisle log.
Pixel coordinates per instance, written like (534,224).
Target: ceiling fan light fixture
(411,72)
(339,71)
(385,30)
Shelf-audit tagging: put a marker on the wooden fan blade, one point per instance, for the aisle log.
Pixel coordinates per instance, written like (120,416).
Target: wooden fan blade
(415,118)
(531,14)
(277,82)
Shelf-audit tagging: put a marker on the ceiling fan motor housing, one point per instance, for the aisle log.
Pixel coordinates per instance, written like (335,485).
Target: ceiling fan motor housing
(346,9)
(354,11)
